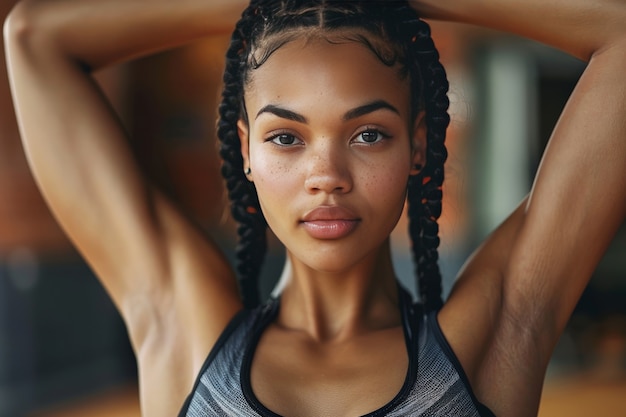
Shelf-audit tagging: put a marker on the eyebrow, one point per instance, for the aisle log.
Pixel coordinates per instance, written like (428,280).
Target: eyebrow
(369,108)
(282,113)
(349,115)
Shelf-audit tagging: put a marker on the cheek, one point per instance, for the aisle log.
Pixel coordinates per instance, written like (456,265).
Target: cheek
(381,181)
(274,178)
(387,180)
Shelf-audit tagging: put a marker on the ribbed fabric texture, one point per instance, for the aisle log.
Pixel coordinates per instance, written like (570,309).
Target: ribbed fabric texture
(437,388)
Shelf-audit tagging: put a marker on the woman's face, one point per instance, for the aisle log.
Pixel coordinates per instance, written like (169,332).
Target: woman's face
(330,147)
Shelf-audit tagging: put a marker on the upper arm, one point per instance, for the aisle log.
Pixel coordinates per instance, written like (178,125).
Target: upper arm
(173,287)
(543,256)
(78,154)
(521,286)
(149,257)
(578,200)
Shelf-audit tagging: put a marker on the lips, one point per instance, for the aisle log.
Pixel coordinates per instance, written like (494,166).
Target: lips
(329,222)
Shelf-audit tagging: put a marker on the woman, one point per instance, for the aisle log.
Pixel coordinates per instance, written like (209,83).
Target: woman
(330,116)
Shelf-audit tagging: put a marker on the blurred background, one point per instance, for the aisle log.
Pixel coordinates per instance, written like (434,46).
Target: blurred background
(64,349)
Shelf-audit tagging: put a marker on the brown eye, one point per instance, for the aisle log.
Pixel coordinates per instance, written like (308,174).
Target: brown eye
(370,136)
(285,139)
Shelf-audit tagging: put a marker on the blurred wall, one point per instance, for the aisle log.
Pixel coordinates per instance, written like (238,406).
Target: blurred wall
(60,335)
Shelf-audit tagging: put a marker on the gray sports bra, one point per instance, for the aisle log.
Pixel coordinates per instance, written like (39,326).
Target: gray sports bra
(435,384)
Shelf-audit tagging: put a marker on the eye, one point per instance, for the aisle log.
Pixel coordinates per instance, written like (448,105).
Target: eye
(370,136)
(285,139)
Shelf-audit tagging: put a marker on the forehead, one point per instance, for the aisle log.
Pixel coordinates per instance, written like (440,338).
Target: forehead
(320,69)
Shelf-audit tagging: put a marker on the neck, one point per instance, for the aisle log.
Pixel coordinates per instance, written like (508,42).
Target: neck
(331,306)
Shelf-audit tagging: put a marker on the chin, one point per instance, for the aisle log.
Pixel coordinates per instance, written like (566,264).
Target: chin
(333,259)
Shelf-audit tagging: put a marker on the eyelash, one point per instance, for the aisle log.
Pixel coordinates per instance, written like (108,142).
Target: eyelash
(275,137)
(383,136)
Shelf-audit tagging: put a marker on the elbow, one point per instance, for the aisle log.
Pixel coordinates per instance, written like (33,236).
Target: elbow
(26,27)
(612,37)
(616,45)
(19,24)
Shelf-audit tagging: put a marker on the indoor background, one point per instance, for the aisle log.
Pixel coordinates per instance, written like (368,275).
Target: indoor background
(63,348)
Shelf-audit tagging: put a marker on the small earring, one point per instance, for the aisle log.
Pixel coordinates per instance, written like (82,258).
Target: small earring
(417,168)
(248,171)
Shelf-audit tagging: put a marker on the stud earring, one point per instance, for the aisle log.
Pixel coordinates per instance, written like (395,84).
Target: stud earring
(417,168)
(248,171)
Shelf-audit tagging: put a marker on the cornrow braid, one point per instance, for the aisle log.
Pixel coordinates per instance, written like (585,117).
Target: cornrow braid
(245,207)
(406,40)
(425,190)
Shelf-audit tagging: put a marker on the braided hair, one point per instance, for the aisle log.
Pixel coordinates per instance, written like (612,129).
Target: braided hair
(396,35)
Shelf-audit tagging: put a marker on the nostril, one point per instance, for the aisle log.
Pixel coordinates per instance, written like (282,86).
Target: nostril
(328,169)
(329,182)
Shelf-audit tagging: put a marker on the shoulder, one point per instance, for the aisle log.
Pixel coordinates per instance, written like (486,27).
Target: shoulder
(218,387)
(441,385)
(498,355)
(242,332)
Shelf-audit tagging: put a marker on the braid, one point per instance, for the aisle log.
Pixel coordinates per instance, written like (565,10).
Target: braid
(425,190)
(245,207)
(405,40)
(429,87)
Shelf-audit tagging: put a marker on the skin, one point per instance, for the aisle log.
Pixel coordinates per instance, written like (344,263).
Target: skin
(328,163)
(176,291)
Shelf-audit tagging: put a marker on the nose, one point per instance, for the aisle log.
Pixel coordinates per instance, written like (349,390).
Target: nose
(328,170)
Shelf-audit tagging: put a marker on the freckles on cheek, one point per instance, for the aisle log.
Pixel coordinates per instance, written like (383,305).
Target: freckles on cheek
(272,177)
(385,179)
(271,169)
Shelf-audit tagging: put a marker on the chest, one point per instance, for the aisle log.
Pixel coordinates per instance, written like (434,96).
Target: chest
(289,374)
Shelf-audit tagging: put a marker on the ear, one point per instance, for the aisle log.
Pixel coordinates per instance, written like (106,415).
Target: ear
(418,143)
(244,138)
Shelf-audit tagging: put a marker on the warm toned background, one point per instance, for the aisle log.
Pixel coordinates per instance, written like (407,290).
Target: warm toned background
(63,349)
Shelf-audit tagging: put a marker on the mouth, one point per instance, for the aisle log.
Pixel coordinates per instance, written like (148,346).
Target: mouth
(329,222)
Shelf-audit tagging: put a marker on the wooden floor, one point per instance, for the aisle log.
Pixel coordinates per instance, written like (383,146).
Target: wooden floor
(118,402)
(584,397)
(580,396)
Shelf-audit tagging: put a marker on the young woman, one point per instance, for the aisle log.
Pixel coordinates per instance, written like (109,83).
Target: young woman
(333,113)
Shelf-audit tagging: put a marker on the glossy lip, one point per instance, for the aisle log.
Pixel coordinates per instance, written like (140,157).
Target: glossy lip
(329,222)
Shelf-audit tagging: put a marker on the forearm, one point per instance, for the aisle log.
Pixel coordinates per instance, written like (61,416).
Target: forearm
(579,27)
(99,33)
